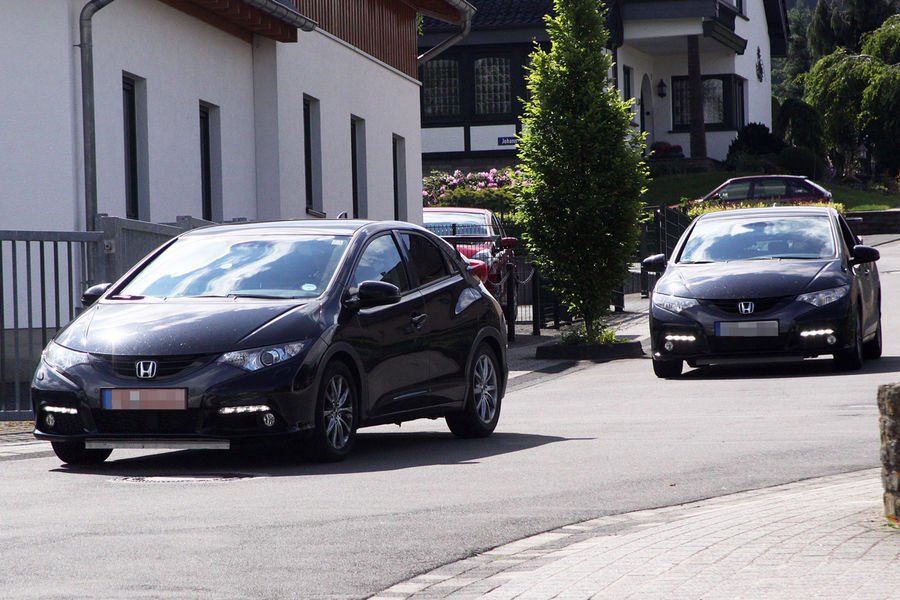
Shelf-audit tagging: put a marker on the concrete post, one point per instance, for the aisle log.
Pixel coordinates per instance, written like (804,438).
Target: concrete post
(889,407)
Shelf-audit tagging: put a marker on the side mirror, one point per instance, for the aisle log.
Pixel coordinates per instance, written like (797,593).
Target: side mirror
(864,254)
(508,243)
(655,263)
(374,293)
(93,293)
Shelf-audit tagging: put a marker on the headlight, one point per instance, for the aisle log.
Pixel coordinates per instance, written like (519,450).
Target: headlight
(825,296)
(260,358)
(61,358)
(675,304)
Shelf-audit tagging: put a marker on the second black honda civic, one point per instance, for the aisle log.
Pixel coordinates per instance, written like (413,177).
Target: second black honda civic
(260,330)
(765,284)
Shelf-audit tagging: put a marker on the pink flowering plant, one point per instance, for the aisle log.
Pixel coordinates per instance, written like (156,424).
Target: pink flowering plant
(494,190)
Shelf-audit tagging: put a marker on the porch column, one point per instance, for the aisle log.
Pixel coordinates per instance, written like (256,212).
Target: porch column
(695,93)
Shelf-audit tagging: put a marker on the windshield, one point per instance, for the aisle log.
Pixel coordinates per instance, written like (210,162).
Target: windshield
(275,267)
(456,223)
(757,238)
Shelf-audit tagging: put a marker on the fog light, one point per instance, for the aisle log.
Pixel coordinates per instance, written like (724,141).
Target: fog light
(669,346)
(268,419)
(237,410)
(831,340)
(50,420)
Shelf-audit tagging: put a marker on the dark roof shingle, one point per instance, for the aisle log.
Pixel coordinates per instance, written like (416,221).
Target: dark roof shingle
(500,14)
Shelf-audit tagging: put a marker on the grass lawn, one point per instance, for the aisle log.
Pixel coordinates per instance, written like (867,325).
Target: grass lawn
(671,189)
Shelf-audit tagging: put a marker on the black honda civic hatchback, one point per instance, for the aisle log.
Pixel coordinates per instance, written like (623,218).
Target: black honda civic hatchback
(308,329)
(765,284)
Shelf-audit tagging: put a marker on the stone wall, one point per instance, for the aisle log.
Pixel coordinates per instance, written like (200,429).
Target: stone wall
(889,407)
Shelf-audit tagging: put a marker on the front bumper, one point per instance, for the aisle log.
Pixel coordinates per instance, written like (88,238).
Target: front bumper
(803,331)
(69,407)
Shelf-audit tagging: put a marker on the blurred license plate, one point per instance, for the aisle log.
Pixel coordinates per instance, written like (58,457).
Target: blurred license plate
(747,328)
(145,399)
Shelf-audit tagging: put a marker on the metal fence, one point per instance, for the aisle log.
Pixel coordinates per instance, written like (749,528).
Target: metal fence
(42,277)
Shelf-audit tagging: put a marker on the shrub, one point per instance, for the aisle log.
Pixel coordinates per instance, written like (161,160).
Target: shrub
(801,161)
(753,142)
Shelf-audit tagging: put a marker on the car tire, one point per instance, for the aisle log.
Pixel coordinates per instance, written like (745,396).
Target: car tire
(481,413)
(851,359)
(872,348)
(667,369)
(74,453)
(336,407)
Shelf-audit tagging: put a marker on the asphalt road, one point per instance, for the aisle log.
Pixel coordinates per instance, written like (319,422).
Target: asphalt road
(600,440)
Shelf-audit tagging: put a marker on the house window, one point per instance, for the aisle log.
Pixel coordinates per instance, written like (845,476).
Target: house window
(399,154)
(358,166)
(493,86)
(723,102)
(312,156)
(627,78)
(134,121)
(440,88)
(210,163)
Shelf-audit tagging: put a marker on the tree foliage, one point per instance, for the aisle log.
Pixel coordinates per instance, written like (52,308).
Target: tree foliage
(858,98)
(844,23)
(584,161)
(788,72)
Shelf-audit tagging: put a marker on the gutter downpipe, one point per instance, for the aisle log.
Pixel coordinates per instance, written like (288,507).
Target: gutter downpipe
(87,110)
(467,11)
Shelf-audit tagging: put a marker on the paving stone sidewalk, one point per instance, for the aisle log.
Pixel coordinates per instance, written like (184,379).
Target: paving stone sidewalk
(821,538)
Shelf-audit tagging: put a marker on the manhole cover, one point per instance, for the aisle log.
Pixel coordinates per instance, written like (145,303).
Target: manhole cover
(191,478)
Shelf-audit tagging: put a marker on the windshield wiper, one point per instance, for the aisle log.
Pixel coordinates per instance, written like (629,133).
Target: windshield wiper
(261,296)
(695,262)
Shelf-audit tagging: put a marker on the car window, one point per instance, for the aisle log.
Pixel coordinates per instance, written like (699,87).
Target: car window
(768,188)
(381,261)
(498,228)
(735,192)
(283,266)
(759,237)
(455,223)
(425,258)
(794,189)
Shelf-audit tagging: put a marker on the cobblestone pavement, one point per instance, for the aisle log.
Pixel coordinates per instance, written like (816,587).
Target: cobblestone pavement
(821,538)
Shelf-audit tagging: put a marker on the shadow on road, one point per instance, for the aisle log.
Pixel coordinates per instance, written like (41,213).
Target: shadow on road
(807,368)
(374,452)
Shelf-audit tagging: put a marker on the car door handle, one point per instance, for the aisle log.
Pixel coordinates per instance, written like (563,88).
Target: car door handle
(419,320)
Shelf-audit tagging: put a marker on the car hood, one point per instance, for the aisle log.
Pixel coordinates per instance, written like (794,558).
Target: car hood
(751,279)
(187,326)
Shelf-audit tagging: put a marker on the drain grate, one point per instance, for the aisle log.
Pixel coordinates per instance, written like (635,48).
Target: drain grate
(189,478)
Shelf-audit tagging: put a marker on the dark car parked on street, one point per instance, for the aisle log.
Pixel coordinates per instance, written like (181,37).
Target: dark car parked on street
(765,284)
(252,331)
(788,189)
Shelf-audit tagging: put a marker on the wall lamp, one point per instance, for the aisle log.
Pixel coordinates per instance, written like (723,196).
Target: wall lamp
(661,88)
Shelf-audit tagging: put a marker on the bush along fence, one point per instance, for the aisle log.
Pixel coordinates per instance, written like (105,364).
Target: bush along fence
(889,408)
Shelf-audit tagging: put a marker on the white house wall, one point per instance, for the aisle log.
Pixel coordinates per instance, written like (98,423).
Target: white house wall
(719,60)
(38,140)
(348,83)
(181,62)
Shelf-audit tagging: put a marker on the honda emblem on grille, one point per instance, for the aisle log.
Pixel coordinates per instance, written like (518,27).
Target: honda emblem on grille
(746,308)
(145,369)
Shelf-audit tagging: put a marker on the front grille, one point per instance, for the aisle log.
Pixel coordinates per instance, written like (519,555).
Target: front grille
(760,305)
(146,421)
(167,366)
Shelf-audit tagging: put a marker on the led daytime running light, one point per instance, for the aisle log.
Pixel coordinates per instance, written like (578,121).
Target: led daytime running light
(681,338)
(236,410)
(816,332)
(62,410)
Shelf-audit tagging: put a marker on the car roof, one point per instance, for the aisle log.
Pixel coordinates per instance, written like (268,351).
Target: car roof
(747,177)
(463,209)
(345,227)
(770,211)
